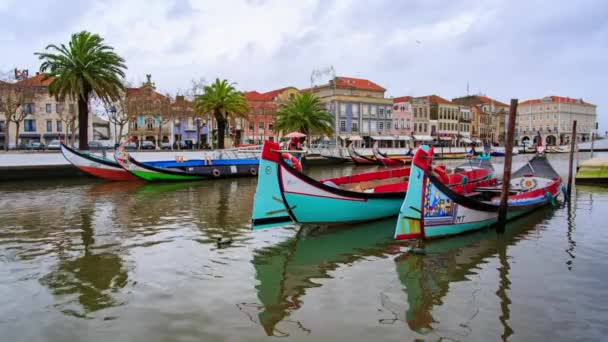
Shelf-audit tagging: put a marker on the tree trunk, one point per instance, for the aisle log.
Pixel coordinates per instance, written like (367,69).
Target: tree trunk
(16,135)
(83,121)
(198,133)
(6,135)
(160,134)
(221,129)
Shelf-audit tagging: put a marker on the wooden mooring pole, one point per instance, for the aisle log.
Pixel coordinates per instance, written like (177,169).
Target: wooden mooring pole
(570,165)
(506,178)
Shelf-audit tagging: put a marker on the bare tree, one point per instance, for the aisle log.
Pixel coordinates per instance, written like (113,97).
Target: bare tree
(12,98)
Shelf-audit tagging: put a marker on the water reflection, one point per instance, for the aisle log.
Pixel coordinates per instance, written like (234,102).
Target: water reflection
(285,271)
(91,277)
(426,279)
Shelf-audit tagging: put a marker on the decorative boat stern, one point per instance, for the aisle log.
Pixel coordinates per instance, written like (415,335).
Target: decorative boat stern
(409,223)
(269,209)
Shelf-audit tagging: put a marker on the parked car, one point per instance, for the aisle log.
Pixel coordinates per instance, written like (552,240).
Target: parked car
(131,146)
(147,145)
(31,145)
(165,146)
(96,145)
(181,146)
(54,145)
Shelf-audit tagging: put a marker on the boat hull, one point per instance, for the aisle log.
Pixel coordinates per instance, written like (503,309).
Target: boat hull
(193,173)
(95,166)
(309,203)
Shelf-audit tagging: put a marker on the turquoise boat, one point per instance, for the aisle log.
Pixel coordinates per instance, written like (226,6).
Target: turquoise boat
(431,209)
(284,194)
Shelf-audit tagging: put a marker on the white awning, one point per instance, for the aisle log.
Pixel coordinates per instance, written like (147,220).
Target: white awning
(445,138)
(477,141)
(423,138)
(355,138)
(466,140)
(404,137)
(383,137)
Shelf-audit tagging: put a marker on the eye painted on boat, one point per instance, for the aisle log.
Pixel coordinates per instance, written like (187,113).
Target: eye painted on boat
(268,170)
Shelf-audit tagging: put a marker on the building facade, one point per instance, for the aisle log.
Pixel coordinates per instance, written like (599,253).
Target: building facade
(402,116)
(259,125)
(149,114)
(552,116)
(44,118)
(422,127)
(488,120)
(446,120)
(360,110)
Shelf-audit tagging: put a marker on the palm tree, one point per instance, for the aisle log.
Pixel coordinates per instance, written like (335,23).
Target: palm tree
(224,102)
(84,68)
(304,113)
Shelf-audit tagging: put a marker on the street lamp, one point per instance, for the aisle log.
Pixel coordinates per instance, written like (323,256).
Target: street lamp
(113,113)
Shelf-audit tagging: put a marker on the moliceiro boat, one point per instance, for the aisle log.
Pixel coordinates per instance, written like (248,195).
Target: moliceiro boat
(285,195)
(187,170)
(386,160)
(96,166)
(360,159)
(431,209)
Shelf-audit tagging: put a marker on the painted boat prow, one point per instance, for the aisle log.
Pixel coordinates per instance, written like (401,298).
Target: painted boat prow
(409,223)
(96,166)
(269,208)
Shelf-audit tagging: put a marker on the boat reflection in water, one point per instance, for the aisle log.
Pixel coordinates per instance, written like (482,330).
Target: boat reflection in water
(287,270)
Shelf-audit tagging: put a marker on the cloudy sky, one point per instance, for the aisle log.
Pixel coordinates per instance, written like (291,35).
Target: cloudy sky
(501,48)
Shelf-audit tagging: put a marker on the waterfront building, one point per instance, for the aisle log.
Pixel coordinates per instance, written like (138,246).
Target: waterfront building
(186,128)
(464,129)
(259,125)
(552,116)
(360,110)
(149,114)
(45,117)
(402,119)
(445,118)
(422,128)
(489,118)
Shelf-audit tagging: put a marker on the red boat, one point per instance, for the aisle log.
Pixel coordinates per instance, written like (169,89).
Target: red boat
(360,159)
(96,166)
(389,161)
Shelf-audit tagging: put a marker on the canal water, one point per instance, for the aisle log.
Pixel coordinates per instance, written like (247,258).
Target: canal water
(85,260)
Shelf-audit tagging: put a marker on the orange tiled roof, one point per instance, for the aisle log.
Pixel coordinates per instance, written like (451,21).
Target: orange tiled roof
(438,99)
(402,99)
(37,81)
(559,99)
(486,99)
(267,96)
(137,91)
(358,83)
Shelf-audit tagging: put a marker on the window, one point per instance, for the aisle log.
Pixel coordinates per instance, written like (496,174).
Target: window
(49,125)
(59,126)
(396,124)
(416,112)
(29,108)
(355,110)
(71,108)
(342,108)
(48,108)
(58,108)
(342,125)
(1,126)
(380,125)
(251,126)
(29,125)
(414,128)
(365,110)
(150,124)
(261,126)
(402,124)
(355,126)
(270,126)
(373,111)
(381,112)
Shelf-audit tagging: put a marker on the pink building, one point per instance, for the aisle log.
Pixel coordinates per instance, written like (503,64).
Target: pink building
(402,116)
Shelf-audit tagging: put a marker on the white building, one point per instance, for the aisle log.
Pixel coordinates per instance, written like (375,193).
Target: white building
(552,116)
